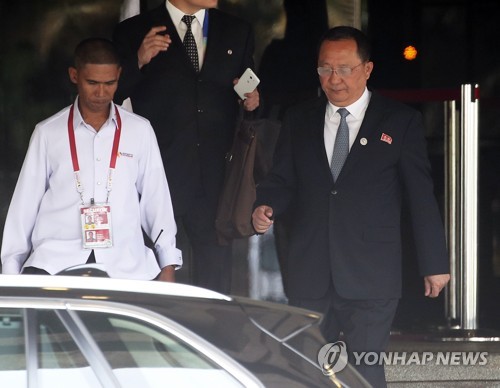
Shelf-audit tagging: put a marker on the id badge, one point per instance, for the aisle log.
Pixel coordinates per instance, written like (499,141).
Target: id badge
(96,226)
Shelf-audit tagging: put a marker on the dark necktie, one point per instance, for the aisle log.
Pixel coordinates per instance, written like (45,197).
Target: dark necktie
(190,43)
(341,147)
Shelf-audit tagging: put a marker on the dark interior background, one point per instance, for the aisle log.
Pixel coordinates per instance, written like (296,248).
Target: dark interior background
(457,42)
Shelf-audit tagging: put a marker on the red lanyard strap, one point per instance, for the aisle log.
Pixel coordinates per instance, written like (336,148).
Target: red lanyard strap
(116,141)
(72,142)
(74,154)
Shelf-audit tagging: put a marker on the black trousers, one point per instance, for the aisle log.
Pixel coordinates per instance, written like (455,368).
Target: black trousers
(365,325)
(39,271)
(211,263)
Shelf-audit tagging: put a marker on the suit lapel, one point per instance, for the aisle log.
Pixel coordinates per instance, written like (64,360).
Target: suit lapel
(162,17)
(214,36)
(317,125)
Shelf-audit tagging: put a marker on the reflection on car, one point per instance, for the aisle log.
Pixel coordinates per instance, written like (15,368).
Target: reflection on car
(100,332)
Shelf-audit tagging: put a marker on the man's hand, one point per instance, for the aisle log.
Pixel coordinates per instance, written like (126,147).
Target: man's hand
(434,284)
(252,101)
(167,274)
(261,218)
(152,44)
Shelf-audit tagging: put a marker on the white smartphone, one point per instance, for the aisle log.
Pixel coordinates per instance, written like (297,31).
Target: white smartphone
(247,83)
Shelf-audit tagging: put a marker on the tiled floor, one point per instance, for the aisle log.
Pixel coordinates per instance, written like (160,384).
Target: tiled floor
(482,354)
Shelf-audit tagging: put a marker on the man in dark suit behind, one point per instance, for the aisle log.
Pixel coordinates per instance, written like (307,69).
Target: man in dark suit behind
(344,255)
(192,110)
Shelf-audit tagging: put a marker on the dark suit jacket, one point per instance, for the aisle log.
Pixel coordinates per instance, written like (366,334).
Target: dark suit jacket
(350,231)
(193,115)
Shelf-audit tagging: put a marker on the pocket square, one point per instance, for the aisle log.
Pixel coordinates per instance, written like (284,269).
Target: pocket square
(385,137)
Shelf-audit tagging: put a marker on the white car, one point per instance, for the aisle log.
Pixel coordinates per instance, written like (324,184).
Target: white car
(73,331)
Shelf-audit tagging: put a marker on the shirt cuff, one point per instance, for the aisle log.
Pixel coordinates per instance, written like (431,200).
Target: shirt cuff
(169,256)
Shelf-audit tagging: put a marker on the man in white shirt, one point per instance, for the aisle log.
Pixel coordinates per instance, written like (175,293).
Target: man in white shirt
(92,158)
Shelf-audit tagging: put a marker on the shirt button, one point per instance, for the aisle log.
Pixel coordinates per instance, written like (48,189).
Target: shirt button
(98,159)
(99,183)
(200,110)
(334,192)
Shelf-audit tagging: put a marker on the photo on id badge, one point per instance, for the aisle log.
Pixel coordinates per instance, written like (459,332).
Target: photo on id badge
(96,226)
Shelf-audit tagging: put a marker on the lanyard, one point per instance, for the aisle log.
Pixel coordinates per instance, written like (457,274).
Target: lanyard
(74,155)
(205,29)
(205,25)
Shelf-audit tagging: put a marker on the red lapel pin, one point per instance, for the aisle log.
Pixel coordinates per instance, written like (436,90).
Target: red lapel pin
(386,138)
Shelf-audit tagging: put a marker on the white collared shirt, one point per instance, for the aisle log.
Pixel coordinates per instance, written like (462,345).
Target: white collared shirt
(196,27)
(354,119)
(43,223)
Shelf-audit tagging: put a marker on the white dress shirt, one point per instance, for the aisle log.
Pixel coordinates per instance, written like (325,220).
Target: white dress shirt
(43,227)
(354,119)
(196,28)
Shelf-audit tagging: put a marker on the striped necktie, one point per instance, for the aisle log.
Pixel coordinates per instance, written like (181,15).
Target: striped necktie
(341,147)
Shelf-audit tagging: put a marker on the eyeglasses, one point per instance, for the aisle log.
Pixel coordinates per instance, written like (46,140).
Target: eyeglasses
(343,71)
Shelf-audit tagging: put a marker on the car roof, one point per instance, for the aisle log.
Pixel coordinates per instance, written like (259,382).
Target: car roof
(173,299)
(108,284)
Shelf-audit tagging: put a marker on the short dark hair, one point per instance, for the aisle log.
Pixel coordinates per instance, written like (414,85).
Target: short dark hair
(347,32)
(96,51)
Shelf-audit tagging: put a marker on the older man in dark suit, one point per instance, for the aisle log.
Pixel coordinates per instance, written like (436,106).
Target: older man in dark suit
(347,162)
(193,109)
